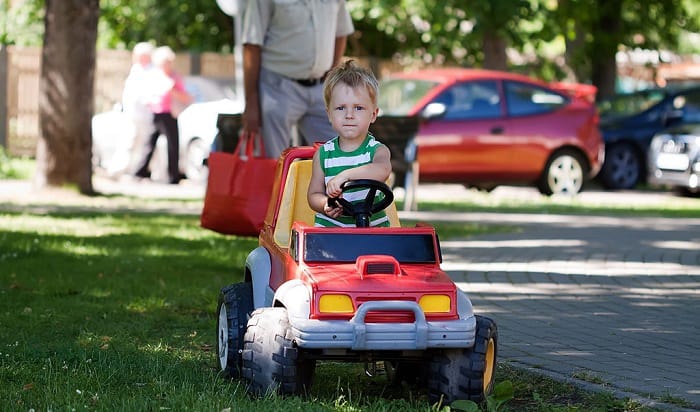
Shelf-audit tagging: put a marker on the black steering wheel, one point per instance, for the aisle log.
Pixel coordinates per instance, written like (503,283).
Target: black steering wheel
(362,211)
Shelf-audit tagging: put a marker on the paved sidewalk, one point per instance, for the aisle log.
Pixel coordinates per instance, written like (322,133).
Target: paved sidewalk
(610,303)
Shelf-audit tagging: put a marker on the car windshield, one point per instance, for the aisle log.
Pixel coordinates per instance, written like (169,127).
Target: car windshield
(629,104)
(398,96)
(345,247)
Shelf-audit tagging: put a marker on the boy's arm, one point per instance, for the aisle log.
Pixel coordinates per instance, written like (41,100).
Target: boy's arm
(316,195)
(379,169)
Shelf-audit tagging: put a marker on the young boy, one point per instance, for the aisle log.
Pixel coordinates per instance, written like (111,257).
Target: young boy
(350,93)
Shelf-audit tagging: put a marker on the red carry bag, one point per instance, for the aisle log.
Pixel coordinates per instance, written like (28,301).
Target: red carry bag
(238,190)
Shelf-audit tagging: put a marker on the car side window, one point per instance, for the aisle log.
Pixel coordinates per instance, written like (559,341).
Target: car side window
(471,100)
(525,99)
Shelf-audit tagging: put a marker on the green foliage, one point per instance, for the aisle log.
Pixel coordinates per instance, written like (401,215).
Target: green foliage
(435,31)
(195,25)
(502,393)
(21,23)
(14,168)
(416,32)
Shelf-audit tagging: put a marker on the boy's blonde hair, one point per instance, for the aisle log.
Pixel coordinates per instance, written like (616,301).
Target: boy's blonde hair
(352,75)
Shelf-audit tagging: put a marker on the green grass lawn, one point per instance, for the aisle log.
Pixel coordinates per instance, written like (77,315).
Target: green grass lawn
(104,310)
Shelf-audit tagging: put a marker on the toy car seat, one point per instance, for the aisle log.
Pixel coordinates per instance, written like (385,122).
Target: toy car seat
(294,206)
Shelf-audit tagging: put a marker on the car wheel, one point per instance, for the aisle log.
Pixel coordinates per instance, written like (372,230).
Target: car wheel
(622,167)
(235,305)
(466,373)
(271,360)
(563,174)
(194,168)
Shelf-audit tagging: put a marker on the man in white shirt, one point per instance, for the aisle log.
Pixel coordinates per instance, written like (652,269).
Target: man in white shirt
(288,47)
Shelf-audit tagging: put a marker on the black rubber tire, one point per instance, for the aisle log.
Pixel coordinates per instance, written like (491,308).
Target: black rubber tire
(271,360)
(409,372)
(235,305)
(564,174)
(623,167)
(466,373)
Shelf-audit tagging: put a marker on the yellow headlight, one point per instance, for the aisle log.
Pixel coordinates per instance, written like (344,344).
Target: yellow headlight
(335,304)
(435,303)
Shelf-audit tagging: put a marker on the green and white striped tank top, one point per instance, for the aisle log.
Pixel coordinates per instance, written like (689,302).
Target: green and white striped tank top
(333,161)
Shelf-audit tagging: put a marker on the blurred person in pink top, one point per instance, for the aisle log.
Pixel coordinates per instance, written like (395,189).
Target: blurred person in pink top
(167,92)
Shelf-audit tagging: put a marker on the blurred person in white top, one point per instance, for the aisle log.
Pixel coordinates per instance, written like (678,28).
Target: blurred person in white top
(135,102)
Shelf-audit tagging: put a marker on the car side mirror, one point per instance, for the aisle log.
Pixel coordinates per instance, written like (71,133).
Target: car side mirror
(434,110)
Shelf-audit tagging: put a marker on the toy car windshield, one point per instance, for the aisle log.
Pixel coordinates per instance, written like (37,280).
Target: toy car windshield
(342,247)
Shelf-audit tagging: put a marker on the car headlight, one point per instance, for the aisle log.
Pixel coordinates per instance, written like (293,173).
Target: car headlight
(335,304)
(435,303)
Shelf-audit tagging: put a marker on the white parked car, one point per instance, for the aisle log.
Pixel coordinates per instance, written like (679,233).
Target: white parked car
(674,159)
(112,132)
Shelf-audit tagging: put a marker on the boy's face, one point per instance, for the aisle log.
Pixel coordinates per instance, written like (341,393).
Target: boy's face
(351,111)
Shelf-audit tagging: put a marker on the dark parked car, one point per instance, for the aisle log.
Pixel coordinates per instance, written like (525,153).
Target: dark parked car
(674,158)
(628,122)
(486,128)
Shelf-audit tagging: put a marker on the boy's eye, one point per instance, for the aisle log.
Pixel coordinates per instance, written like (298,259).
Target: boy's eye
(340,108)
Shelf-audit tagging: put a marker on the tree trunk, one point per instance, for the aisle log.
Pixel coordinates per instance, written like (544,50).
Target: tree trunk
(495,57)
(66,106)
(607,29)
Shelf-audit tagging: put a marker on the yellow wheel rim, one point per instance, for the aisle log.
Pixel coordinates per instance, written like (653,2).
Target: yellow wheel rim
(490,364)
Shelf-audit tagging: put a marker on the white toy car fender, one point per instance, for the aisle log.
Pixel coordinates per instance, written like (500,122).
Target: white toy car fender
(465,309)
(296,297)
(258,263)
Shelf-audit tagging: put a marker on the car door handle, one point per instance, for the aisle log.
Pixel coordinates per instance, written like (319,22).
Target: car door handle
(497,130)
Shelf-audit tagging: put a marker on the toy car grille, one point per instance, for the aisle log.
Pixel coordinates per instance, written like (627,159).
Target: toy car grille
(381,268)
(397,316)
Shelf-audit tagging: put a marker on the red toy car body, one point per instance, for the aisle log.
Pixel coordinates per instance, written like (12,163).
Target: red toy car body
(349,294)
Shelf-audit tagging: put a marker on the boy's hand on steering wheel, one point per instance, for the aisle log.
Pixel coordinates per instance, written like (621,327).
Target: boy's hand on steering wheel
(332,211)
(333,187)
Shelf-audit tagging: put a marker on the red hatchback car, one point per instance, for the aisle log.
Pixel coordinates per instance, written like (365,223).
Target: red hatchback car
(485,128)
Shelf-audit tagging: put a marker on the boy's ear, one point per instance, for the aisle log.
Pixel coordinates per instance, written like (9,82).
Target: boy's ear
(375,114)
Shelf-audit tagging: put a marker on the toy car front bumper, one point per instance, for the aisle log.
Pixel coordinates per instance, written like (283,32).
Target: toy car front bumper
(355,334)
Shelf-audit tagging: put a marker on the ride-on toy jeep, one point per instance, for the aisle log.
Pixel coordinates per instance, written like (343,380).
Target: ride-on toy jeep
(349,294)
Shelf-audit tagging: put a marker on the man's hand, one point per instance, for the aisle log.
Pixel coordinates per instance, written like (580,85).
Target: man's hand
(251,121)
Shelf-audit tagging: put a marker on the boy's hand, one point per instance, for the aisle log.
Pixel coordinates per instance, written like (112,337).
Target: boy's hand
(333,186)
(331,211)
